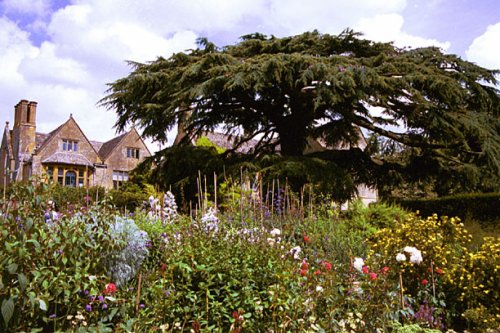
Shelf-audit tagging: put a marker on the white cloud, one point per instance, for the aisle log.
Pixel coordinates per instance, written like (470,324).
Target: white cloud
(327,16)
(90,40)
(388,28)
(485,49)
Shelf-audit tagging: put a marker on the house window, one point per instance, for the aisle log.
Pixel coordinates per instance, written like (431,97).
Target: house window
(69,145)
(70,178)
(133,152)
(50,172)
(118,178)
(60,176)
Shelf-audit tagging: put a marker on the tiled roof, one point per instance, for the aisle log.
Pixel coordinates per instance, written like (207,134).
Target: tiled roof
(45,137)
(40,139)
(107,147)
(223,140)
(67,158)
(96,144)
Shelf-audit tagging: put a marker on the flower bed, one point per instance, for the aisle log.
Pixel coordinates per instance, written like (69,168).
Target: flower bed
(240,270)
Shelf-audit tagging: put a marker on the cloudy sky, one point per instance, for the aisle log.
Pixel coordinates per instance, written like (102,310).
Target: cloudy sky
(62,53)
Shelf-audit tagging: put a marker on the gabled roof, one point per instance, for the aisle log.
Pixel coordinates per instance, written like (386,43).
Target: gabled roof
(44,138)
(96,144)
(40,139)
(58,129)
(108,147)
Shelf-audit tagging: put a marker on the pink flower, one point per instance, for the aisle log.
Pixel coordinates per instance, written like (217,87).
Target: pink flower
(439,271)
(306,239)
(110,288)
(365,269)
(424,282)
(317,272)
(303,272)
(373,276)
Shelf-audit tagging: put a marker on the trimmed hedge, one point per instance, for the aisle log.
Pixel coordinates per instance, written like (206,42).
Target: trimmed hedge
(481,206)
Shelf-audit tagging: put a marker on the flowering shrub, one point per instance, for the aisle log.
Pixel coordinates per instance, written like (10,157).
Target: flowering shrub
(477,278)
(240,272)
(441,276)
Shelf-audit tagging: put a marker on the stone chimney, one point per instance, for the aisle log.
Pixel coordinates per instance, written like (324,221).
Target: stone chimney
(24,130)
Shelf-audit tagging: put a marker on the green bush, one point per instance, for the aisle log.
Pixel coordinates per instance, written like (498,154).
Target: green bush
(482,206)
(45,265)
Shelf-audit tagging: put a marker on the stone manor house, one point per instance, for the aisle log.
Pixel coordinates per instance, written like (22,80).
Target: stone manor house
(66,155)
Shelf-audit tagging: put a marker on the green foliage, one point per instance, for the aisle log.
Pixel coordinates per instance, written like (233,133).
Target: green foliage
(44,266)
(482,206)
(203,141)
(275,265)
(290,91)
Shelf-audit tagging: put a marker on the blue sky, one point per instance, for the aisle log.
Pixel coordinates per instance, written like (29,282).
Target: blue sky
(61,53)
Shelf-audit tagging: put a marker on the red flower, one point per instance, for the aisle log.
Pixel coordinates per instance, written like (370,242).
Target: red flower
(439,271)
(317,272)
(365,269)
(384,270)
(327,265)
(373,276)
(110,288)
(303,272)
(306,239)
(163,267)
(424,282)
(304,265)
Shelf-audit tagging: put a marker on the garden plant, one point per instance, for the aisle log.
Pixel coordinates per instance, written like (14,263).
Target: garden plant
(240,260)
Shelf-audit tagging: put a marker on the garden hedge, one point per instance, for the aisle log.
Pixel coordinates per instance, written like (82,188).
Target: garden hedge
(484,207)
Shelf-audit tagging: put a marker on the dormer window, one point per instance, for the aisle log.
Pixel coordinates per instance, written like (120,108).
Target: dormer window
(132,152)
(69,145)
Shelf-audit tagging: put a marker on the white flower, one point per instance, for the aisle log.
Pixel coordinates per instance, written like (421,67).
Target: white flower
(410,249)
(271,241)
(319,289)
(209,221)
(295,252)
(416,257)
(275,232)
(400,257)
(415,254)
(358,264)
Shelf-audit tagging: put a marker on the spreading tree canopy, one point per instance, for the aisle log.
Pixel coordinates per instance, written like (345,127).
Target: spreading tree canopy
(285,91)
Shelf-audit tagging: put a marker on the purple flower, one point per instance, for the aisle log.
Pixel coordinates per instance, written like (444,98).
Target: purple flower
(100,298)
(142,306)
(52,316)
(88,307)
(104,306)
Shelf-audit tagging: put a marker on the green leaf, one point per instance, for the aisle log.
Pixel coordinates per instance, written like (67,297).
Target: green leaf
(23,281)
(29,223)
(7,310)
(12,268)
(43,305)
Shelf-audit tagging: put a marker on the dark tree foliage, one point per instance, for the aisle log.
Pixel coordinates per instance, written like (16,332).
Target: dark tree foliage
(284,91)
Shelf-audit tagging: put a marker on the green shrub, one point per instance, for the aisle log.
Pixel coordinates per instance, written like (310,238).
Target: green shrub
(482,206)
